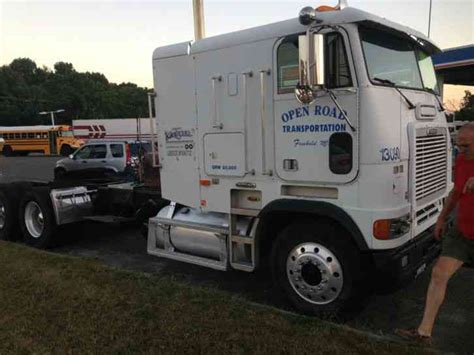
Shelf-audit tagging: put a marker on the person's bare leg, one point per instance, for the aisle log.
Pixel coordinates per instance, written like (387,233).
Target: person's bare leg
(444,268)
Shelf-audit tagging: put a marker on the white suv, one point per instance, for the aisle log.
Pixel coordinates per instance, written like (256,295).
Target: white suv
(97,160)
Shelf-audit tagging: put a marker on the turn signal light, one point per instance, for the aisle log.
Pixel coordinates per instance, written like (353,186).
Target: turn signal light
(382,229)
(385,229)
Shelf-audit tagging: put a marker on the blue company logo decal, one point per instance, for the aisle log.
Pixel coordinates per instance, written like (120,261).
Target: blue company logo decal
(390,154)
(305,111)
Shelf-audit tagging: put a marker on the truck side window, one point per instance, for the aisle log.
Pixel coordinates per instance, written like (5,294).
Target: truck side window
(337,68)
(287,59)
(340,153)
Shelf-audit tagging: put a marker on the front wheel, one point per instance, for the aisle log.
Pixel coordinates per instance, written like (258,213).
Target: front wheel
(37,218)
(59,174)
(319,269)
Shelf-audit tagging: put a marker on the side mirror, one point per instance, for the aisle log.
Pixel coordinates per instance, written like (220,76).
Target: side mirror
(71,156)
(311,67)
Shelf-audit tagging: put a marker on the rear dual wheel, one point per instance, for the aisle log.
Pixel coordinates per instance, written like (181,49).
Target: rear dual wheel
(37,220)
(10,195)
(8,225)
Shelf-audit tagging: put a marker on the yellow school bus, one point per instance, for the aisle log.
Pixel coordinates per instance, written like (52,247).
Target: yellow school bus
(49,140)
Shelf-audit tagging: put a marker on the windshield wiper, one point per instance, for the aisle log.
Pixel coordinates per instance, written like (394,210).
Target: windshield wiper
(441,107)
(392,84)
(334,99)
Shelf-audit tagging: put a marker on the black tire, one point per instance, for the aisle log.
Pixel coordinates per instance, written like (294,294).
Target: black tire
(110,174)
(319,269)
(10,195)
(9,228)
(66,150)
(59,174)
(37,218)
(7,151)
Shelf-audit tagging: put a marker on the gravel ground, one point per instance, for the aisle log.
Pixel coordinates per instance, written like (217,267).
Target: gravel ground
(123,247)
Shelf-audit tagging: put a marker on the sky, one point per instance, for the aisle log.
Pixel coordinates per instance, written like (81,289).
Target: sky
(117,38)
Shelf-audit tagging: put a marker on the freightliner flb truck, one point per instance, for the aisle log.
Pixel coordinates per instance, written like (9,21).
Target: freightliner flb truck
(316,145)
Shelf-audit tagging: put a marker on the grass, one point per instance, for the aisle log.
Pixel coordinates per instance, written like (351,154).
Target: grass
(53,303)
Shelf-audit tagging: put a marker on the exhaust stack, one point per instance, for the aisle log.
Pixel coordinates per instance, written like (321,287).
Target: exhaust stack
(342,5)
(198,9)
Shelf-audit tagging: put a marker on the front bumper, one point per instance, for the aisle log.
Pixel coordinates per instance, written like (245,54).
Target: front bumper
(397,267)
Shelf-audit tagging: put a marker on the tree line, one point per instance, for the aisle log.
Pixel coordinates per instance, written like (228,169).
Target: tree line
(26,90)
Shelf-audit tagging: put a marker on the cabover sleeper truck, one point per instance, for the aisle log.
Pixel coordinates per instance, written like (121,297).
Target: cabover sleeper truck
(317,145)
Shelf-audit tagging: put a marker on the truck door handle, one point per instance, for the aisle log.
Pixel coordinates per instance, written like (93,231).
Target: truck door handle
(84,162)
(103,161)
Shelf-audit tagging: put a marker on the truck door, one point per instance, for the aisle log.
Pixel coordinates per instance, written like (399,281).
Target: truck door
(314,143)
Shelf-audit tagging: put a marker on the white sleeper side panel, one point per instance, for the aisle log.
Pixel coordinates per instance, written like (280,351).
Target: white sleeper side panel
(177,129)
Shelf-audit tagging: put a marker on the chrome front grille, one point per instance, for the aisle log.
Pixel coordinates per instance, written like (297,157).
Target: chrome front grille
(430,163)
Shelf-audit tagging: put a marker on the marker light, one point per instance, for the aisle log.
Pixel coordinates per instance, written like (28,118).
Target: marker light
(324,8)
(205,182)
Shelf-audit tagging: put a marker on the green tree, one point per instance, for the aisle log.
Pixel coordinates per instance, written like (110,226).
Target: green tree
(466,112)
(26,89)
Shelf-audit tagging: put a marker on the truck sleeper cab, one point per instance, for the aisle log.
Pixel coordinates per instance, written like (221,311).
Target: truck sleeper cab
(335,184)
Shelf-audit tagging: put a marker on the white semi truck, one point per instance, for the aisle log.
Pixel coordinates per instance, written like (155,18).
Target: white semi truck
(315,145)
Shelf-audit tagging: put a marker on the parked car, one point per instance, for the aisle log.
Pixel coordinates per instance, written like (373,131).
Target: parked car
(101,159)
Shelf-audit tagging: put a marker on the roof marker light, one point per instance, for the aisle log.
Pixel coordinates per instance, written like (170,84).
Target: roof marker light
(324,8)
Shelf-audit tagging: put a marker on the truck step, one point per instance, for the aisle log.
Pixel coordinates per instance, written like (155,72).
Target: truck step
(191,259)
(242,253)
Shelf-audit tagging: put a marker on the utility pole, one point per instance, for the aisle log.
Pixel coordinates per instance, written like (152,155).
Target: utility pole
(198,10)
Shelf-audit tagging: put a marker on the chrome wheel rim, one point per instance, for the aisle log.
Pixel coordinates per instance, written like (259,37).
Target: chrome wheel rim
(3,215)
(34,220)
(314,273)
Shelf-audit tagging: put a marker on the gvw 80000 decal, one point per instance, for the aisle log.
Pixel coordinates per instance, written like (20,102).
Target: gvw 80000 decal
(390,154)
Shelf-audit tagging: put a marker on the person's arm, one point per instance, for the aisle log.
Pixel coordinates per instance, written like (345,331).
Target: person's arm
(448,207)
(469,186)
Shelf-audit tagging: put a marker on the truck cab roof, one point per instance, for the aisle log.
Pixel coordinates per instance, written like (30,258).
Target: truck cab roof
(287,27)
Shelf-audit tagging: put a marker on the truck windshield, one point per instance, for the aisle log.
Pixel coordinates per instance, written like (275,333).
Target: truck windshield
(398,60)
